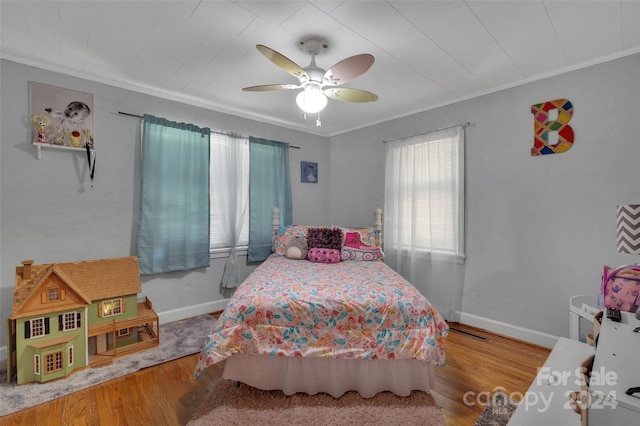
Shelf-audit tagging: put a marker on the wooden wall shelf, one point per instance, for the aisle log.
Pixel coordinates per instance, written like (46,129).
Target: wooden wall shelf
(81,150)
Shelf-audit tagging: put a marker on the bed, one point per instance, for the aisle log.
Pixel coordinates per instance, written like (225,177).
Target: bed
(353,325)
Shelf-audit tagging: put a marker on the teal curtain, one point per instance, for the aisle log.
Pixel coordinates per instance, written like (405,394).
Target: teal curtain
(173,232)
(269,187)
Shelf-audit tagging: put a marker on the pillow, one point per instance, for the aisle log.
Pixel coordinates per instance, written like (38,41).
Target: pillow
(323,237)
(296,248)
(283,235)
(355,249)
(324,255)
(370,236)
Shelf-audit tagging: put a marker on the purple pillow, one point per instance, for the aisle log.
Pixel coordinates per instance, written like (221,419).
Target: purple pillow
(322,237)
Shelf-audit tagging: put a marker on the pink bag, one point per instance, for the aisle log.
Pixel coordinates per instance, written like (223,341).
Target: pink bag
(620,288)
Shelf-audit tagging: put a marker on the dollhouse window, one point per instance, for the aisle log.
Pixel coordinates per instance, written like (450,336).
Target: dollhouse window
(123,332)
(111,307)
(37,327)
(70,356)
(69,321)
(53,362)
(36,364)
(53,294)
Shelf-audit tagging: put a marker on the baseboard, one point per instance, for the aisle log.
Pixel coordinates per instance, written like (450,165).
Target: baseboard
(192,311)
(509,330)
(169,316)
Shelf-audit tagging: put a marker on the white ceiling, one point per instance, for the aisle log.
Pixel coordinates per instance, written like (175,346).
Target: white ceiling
(428,53)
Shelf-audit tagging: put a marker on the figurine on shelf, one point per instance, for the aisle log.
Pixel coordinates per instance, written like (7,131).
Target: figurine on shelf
(88,138)
(58,137)
(74,135)
(41,122)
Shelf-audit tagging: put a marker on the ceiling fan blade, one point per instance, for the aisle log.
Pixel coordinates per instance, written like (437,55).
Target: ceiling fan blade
(347,69)
(349,95)
(268,87)
(283,62)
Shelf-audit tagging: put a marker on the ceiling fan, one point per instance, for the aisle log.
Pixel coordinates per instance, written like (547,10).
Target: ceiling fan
(317,84)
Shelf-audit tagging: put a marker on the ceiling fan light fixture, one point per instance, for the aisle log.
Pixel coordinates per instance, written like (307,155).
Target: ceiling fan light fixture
(311,99)
(318,84)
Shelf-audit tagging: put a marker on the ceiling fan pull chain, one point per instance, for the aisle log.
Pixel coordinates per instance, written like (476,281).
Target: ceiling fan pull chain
(318,122)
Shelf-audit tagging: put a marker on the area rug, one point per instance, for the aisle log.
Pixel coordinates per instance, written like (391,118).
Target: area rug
(498,411)
(239,404)
(177,339)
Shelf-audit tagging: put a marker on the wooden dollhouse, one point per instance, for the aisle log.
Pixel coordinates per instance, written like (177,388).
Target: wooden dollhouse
(69,316)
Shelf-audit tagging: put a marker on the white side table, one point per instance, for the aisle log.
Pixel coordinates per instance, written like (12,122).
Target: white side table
(547,400)
(616,368)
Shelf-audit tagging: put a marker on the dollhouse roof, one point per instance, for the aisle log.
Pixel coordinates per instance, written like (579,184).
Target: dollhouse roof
(91,280)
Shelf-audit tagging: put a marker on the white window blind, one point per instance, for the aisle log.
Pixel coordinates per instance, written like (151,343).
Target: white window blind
(220,183)
(424,193)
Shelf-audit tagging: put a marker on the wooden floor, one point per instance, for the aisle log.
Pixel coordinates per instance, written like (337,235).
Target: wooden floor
(167,394)
(475,365)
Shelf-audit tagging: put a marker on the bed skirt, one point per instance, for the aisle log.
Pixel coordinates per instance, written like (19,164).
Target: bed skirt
(329,375)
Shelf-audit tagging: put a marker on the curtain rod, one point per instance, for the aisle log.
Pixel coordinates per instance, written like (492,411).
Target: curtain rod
(467,124)
(212,131)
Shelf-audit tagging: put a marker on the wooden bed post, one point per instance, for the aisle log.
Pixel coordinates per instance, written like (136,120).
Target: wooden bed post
(377,223)
(377,218)
(275,222)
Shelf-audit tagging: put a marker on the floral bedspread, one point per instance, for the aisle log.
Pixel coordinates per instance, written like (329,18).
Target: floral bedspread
(350,309)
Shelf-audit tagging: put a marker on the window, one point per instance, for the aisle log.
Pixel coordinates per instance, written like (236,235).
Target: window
(69,321)
(70,356)
(36,327)
(53,362)
(53,294)
(123,332)
(424,193)
(36,364)
(221,145)
(111,307)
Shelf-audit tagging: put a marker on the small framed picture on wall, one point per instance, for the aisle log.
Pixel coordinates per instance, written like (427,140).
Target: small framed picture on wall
(308,172)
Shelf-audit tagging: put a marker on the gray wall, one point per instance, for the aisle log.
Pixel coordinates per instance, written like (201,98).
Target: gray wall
(539,229)
(50,212)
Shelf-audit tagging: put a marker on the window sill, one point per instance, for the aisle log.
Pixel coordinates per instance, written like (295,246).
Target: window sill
(219,253)
(423,254)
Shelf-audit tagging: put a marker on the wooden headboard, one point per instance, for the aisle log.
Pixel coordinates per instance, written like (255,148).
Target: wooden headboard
(275,222)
